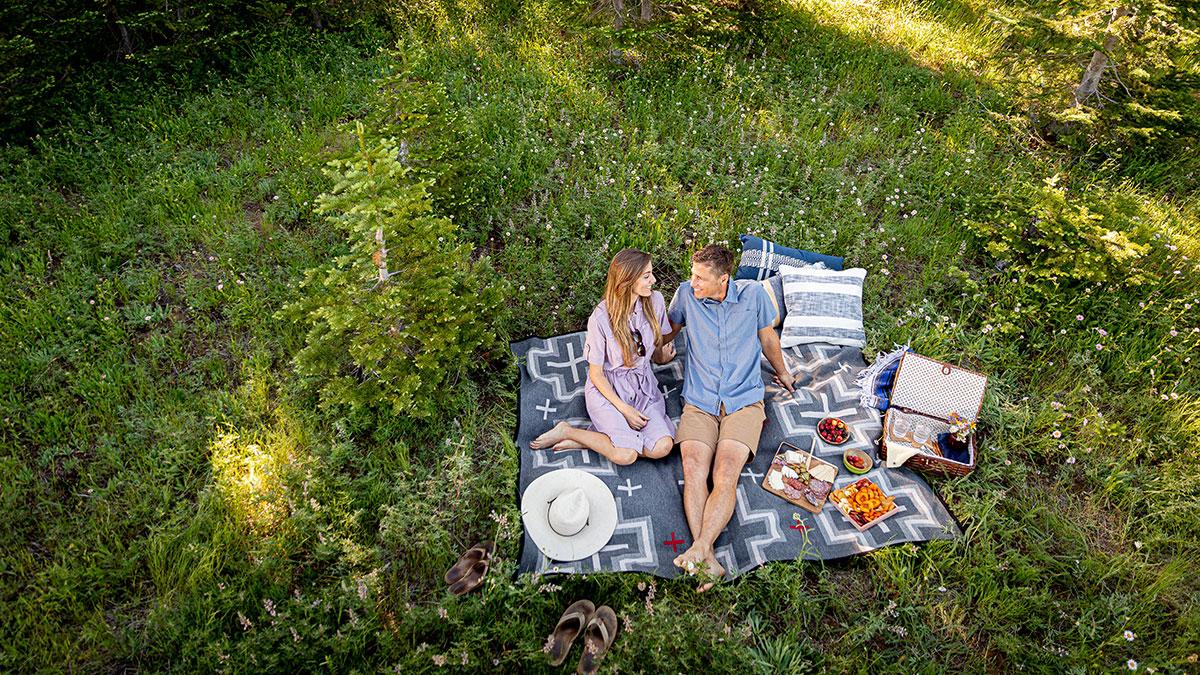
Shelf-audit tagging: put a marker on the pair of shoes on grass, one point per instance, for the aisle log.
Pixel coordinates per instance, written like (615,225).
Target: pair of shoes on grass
(599,629)
(467,574)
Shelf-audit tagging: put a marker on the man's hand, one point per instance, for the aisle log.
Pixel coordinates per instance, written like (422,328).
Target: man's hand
(637,421)
(665,353)
(787,381)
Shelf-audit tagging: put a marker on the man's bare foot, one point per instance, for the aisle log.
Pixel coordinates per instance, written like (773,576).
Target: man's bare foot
(689,561)
(550,438)
(714,568)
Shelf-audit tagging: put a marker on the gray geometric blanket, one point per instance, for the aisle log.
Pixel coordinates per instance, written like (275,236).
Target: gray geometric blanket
(651,526)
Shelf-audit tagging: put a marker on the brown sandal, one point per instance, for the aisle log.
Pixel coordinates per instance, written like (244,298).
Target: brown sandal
(472,579)
(570,625)
(475,553)
(598,636)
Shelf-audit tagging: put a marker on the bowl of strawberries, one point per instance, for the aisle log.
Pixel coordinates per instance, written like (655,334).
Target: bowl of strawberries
(833,430)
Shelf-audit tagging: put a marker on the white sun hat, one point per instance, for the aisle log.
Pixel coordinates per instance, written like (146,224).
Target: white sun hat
(570,514)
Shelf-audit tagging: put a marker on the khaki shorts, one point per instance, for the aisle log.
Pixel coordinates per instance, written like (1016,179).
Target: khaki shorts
(745,426)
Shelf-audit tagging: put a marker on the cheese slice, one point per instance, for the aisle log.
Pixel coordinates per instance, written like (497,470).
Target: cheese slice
(824,472)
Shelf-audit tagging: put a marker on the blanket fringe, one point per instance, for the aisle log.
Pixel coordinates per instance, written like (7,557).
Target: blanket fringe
(866,376)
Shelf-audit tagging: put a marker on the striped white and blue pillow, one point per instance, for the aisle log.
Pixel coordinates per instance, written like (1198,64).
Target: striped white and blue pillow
(823,305)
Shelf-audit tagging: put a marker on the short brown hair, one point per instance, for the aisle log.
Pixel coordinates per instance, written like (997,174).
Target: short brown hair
(715,256)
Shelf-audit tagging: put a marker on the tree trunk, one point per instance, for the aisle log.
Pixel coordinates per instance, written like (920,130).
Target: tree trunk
(619,10)
(1091,77)
(126,47)
(646,10)
(381,256)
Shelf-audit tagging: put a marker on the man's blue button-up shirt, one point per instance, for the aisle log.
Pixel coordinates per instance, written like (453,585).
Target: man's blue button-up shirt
(722,361)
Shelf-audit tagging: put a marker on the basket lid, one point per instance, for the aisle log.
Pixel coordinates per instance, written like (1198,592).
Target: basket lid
(935,388)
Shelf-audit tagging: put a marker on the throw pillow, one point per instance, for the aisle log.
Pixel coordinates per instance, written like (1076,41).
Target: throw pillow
(761,258)
(774,287)
(823,306)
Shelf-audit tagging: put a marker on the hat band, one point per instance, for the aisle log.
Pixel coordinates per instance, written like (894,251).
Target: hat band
(550,522)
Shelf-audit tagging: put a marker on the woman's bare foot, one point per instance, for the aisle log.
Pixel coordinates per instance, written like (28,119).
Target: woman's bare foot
(552,437)
(568,444)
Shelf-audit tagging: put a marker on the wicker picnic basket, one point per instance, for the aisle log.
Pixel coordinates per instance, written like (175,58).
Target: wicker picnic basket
(925,392)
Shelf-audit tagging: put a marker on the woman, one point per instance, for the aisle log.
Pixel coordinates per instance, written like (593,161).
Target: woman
(629,415)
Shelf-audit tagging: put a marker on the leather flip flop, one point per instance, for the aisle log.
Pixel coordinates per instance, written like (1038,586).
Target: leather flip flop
(569,626)
(472,579)
(598,636)
(477,552)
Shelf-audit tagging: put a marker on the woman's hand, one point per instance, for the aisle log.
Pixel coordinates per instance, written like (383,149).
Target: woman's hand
(637,421)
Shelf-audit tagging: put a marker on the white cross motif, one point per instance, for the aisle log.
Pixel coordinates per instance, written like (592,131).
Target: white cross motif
(752,475)
(629,487)
(666,392)
(546,409)
(571,361)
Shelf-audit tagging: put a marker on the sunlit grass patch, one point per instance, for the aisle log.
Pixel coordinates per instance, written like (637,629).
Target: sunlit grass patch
(933,36)
(254,476)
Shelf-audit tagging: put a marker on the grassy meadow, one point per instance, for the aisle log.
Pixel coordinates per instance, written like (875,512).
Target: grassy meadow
(175,498)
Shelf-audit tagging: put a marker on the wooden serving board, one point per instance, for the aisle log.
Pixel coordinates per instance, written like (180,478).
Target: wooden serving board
(896,508)
(812,461)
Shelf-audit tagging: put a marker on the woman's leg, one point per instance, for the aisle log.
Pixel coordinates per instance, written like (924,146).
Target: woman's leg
(661,448)
(564,436)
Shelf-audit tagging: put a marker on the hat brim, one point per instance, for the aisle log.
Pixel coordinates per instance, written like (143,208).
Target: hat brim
(602,514)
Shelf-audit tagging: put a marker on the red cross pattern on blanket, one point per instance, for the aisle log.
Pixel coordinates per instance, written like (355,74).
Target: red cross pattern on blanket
(673,543)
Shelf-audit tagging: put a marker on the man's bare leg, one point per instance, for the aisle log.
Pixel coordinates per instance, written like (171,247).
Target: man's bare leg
(697,461)
(731,457)
(564,437)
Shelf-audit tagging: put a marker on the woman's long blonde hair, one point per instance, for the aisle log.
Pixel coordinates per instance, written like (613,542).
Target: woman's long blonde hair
(623,272)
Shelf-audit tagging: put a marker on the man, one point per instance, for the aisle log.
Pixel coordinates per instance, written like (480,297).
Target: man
(729,325)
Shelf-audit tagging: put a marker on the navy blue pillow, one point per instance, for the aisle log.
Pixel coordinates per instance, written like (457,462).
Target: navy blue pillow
(761,258)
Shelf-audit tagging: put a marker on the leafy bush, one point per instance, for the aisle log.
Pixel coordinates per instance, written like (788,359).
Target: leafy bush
(403,313)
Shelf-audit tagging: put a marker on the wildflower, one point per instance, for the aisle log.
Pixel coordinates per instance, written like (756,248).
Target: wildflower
(246,624)
(1131,664)
(1099,346)
(1129,636)
(1071,460)
(1102,332)
(442,612)
(1057,434)
(439,660)
(1079,317)
(220,287)
(147,317)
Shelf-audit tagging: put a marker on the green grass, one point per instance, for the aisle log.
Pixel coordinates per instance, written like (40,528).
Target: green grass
(173,498)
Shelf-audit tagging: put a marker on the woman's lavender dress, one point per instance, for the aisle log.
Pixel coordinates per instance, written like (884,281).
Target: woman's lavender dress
(636,385)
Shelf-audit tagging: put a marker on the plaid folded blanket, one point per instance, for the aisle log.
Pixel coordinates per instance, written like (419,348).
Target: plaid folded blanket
(876,380)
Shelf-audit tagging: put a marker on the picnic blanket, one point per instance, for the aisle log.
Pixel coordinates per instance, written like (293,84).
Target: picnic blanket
(651,526)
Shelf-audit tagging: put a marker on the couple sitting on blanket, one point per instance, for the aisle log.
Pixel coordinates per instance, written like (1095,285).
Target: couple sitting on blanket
(729,324)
